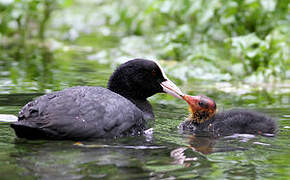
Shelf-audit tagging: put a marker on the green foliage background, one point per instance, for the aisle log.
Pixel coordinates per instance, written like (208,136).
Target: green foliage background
(220,40)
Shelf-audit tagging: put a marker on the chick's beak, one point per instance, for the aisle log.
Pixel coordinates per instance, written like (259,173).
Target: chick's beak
(170,88)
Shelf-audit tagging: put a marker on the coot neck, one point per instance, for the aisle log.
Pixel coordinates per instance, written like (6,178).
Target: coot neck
(126,91)
(142,104)
(135,96)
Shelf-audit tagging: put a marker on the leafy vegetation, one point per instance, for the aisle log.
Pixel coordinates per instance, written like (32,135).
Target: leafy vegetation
(218,40)
(221,35)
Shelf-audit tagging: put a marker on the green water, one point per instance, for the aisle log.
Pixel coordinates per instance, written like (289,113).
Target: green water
(166,154)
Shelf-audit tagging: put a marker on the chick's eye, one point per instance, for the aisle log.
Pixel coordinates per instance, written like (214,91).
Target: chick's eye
(153,73)
(201,104)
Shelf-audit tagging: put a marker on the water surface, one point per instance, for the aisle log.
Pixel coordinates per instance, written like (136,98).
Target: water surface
(166,154)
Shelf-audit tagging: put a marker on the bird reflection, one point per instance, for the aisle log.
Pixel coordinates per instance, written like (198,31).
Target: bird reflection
(201,144)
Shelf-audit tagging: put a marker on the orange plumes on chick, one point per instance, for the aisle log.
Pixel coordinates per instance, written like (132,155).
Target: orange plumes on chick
(201,108)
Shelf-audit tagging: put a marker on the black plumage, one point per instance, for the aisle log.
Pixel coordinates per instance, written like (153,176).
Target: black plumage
(94,112)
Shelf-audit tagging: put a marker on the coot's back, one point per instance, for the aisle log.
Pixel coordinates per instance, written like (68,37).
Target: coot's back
(79,113)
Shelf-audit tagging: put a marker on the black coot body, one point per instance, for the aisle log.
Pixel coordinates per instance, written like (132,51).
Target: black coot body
(241,121)
(94,112)
(74,114)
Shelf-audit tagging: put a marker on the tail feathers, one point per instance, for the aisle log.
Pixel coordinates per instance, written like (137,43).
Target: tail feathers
(28,131)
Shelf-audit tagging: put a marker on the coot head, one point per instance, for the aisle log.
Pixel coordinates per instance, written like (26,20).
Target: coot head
(201,108)
(139,79)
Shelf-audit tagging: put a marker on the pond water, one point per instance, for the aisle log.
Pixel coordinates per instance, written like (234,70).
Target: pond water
(165,155)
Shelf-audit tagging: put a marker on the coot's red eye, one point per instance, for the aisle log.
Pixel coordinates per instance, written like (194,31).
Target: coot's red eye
(153,72)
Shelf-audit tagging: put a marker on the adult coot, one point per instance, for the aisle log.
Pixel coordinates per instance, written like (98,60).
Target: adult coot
(94,112)
(202,118)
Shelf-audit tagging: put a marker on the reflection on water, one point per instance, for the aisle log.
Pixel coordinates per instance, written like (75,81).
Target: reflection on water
(202,144)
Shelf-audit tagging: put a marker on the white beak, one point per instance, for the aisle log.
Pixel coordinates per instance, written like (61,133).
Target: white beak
(170,88)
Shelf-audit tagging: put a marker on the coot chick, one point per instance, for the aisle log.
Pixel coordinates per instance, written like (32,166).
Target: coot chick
(94,112)
(204,119)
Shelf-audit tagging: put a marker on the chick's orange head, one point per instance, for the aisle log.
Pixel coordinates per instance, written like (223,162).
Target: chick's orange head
(201,107)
